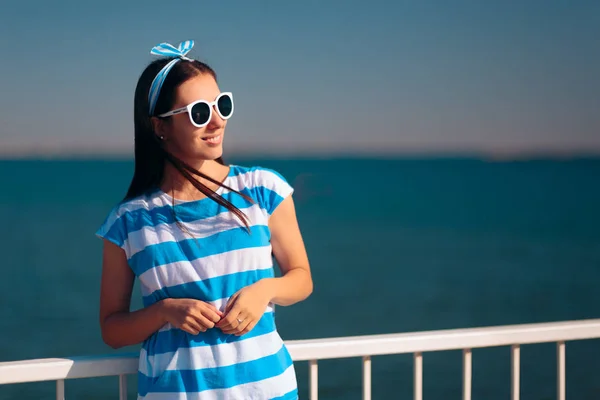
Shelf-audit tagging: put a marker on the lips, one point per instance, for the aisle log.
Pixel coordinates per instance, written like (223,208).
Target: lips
(213,139)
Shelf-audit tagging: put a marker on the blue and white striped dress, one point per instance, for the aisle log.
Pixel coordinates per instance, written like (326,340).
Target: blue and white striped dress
(220,259)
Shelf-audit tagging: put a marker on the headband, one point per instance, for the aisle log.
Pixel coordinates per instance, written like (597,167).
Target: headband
(170,51)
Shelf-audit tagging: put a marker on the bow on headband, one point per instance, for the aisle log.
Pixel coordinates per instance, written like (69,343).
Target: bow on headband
(166,50)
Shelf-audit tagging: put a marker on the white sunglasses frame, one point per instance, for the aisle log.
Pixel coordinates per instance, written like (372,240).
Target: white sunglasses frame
(211,107)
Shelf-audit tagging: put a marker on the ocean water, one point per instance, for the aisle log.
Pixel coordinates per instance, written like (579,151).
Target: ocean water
(396,245)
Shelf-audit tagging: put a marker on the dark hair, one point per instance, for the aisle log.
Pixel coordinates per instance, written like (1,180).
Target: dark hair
(150,154)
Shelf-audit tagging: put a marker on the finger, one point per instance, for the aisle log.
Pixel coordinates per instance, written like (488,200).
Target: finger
(189,329)
(213,308)
(231,302)
(227,325)
(248,328)
(212,315)
(230,318)
(239,321)
(192,322)
(230,321)
(204,322)
(204,315)
(235,326)
(241,329)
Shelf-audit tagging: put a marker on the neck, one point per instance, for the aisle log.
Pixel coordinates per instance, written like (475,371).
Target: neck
(174,181)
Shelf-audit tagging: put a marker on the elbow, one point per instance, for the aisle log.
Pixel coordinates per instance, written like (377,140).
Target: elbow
(114,345)
(308,288)
(109,336)
(111,342)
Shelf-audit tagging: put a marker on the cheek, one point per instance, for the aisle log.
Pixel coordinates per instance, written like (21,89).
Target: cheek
(184,135)
(182,128)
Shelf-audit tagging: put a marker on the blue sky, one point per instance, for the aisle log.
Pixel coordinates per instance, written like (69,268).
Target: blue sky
(313,76)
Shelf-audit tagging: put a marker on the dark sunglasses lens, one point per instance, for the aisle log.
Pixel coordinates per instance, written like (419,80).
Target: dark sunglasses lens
(225,105)
(200,113)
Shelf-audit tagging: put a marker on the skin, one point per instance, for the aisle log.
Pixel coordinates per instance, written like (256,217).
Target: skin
(121,327)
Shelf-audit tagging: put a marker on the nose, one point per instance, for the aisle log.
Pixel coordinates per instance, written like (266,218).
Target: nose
(216,122)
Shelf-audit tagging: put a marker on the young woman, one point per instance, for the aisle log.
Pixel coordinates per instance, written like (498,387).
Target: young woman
(200,236)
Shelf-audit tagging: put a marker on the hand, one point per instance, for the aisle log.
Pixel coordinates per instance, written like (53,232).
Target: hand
(190,315)
(244,309)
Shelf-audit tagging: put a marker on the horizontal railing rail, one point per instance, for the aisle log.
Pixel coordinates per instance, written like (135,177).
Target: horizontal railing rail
(417,343)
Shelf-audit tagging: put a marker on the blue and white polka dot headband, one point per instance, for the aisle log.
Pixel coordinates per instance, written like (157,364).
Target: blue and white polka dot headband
(166,50)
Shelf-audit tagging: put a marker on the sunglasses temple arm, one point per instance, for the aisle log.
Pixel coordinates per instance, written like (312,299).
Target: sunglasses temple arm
(173,112)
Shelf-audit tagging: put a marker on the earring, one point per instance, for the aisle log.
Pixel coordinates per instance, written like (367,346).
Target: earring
(162,137)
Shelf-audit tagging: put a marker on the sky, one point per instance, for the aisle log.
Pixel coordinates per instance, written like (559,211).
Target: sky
(503,77)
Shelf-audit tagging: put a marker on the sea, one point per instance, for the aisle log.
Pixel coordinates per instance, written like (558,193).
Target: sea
(395,244)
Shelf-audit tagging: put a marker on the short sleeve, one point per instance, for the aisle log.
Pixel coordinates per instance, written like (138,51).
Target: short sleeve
(113,229)
(272,188)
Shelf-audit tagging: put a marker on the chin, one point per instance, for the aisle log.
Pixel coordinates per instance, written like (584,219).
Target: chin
(211,154)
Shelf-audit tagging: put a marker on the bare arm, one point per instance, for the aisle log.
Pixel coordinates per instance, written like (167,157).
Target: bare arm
(295,284)
(120,327)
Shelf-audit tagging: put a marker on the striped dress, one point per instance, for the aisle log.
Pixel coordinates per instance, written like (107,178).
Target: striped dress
(220,258)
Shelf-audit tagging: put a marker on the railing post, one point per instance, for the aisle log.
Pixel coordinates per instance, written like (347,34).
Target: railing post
(122,387)
(467,373)
(366,378)
(515,352)
(60,389)
(560,371)
(313,379)
(418,376)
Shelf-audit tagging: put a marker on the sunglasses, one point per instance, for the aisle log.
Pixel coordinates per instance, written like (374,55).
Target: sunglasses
(200,112)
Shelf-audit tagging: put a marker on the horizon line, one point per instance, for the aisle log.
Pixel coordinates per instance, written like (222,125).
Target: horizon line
(481,154)
(236,149)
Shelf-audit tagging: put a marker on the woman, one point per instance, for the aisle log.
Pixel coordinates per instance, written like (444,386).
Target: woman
(200,236)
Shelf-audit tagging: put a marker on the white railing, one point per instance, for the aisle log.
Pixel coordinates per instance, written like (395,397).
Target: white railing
(358,346)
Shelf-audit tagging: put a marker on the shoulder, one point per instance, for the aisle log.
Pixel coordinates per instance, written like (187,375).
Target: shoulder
(258,175)
(269,185)
(115,225)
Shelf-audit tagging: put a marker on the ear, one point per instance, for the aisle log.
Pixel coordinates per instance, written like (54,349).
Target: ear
(159,127)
